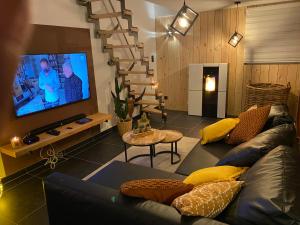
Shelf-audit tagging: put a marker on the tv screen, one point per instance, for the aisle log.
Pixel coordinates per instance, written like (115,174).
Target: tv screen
(48,81)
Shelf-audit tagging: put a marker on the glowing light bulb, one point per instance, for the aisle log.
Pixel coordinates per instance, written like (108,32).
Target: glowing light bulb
(210,83)
(183,22)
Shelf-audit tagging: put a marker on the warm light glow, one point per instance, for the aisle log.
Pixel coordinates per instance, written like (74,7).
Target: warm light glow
(183,22)
(210,83)
(235,39)
(16,142)
(1,189)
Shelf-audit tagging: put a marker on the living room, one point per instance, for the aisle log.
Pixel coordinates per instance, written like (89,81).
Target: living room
(150,112)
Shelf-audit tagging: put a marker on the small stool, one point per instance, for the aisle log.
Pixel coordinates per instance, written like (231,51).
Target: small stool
(172,137)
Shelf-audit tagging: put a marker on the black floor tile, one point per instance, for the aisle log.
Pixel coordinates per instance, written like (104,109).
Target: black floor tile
(73,167)
(8,185)
(5,221)
(113,138)
(38,217)
(20,201)
(100,153)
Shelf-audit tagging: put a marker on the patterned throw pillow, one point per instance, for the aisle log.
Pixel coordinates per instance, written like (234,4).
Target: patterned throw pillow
(158,190)
(251,124)
(207,200)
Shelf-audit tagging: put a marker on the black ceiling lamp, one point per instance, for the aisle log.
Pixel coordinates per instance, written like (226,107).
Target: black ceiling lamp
(236,37)
(184,20)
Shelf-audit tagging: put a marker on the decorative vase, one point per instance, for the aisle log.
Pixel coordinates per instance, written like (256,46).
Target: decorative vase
(124,127)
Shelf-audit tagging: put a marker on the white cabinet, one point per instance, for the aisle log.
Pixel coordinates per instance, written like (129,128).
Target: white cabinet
(195,103)
(195,77)
(195,92)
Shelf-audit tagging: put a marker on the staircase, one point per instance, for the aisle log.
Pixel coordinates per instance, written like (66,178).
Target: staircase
(134,68)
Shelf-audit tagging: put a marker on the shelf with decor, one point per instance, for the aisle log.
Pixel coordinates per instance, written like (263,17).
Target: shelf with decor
(47,139)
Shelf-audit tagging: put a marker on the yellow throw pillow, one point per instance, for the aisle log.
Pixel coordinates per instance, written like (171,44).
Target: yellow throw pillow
(213,174)
(218,130)
(207,200)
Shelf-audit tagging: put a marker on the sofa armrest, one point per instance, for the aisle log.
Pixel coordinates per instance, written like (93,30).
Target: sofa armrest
(71,201)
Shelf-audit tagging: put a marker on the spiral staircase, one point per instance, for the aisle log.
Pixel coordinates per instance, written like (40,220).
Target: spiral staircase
(133,67)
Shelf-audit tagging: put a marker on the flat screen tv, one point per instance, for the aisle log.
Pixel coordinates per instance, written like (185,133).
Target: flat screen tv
(47,81)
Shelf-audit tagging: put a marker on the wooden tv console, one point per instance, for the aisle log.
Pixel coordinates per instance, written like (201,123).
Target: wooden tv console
(47,139)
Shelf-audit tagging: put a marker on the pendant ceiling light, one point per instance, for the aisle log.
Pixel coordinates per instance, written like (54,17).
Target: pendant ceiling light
(236,37)
(184,20)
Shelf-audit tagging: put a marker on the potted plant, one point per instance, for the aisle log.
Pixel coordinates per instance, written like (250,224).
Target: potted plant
(122,109)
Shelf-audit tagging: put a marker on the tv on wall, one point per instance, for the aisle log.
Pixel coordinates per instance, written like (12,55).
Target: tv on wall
(47,81)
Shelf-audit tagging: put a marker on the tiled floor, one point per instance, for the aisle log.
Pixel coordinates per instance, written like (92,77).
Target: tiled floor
(23,200)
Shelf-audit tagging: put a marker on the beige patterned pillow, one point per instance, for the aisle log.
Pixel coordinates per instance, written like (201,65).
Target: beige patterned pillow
(207,200)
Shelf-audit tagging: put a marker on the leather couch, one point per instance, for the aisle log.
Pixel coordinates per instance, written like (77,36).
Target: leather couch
(271,194)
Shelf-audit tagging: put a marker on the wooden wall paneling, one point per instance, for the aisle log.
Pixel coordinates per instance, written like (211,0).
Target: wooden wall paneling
(273,73)
(246,81)
(240,64)
(264,73)
(210,37)
(225,36)
(282,74)
(203,36)
(208,42)
(232,60)
(293,98)
(255,74)
(187,57)
(196,41)
(218,36)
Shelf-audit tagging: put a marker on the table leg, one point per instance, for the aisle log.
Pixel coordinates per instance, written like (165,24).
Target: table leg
(172,151)
(176,147)
(125,148)
(151,155)
(154,153)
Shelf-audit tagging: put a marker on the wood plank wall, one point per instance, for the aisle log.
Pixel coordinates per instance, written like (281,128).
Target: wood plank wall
(207,42)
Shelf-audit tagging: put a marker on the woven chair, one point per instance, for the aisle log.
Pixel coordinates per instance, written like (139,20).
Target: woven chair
(261,94)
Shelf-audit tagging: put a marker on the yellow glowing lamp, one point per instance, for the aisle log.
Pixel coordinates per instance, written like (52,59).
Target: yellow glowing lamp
(210,83)
(1,189)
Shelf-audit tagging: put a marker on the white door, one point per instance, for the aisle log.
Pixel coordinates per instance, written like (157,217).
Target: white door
(195,103)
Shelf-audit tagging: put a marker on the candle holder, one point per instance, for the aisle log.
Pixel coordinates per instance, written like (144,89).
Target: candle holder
(16,142)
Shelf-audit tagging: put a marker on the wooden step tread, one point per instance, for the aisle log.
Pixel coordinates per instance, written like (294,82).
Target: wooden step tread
(125,12)
(148,102)
(133,29)
(141,83)
(126,72)
(146,59)
(146,94)
(153,110)
(138,45)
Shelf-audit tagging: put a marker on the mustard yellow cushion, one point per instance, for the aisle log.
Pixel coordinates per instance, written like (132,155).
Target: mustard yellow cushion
(214,174)
(218,130)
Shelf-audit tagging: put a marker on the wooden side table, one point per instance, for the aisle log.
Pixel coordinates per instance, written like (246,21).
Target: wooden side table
(150,140)
(172,137)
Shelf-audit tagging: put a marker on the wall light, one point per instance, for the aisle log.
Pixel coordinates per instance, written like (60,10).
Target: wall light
(236,37)
(210,83)
(184,20)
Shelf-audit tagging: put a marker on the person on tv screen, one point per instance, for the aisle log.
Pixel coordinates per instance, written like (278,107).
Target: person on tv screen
(49,82)
(73,84)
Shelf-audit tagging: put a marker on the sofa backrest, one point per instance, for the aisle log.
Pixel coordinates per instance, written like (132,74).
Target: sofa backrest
(271,194)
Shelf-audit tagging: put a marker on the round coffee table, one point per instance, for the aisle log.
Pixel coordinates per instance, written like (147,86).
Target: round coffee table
(172,137)
(150,140)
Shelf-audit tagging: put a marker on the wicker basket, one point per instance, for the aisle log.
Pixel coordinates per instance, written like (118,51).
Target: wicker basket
(261,94)
(124,127)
